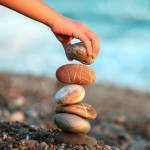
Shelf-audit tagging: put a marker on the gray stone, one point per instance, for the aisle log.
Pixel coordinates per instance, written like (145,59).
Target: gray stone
(72,123)
(137,145)
(72,138)
(78,52)
(31,144)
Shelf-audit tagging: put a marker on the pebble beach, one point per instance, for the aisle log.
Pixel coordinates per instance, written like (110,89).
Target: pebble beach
(122,120)
(50,103)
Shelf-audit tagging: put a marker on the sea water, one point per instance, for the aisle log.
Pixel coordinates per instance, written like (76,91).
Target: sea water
(27,46)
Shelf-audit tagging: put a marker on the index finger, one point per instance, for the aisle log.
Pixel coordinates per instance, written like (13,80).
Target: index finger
(84,38)
(95,42)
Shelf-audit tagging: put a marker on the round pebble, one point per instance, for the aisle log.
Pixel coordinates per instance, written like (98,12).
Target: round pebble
(72,138)
(31,144)
(78,52)
(43,145)
(72,123)
(81,109)
(70,94)
(76,74)
(20,101)
(17,116)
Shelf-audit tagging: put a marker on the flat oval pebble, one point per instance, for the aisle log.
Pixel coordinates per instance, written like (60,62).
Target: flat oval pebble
(70,94)
(72,123)
(81,109)
(74,139)
(78,52)
(76,74)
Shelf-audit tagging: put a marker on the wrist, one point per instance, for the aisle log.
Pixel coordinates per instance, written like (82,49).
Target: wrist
(53,19)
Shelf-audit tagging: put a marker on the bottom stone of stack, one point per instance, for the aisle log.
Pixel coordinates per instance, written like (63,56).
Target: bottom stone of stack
(72,123)
(74,139)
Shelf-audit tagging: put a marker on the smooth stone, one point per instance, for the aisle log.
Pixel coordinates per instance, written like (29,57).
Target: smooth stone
(18,116)
(70,94)
(76,74)
(30,143)
(72,123)
(78,52)
(44,145)
(81,109)
(74,139)
(18,102)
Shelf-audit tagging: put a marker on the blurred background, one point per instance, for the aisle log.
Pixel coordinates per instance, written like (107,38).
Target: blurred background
(29,47)
(30,55)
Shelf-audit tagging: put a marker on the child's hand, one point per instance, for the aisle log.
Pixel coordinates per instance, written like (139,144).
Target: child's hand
(66,29)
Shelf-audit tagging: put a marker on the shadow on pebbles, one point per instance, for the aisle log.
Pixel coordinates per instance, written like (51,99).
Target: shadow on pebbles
(16,135)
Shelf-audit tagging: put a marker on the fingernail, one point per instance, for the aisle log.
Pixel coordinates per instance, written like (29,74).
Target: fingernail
(89,53)
(70,59)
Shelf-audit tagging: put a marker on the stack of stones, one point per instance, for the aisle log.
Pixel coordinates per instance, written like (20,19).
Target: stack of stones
(72,115)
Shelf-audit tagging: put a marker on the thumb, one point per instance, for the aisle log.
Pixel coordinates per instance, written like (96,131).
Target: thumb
(65,45)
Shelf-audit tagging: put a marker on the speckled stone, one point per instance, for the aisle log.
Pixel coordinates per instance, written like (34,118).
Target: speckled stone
(76,74)
(72,123)
(70,94)
(71,138)
(81,109)
(78,52)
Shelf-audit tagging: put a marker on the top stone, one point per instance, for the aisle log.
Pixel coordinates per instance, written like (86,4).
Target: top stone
(76,74)
(77,51)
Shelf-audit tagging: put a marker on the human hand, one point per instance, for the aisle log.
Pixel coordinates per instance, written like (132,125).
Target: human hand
(66,29)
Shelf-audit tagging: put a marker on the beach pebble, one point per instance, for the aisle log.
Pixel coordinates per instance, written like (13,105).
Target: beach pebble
(124,136)
(81,109)
(76,74)
(74,139)
(19,102)
(6,114)
(72,123)
(78,52)
(70,94)
(107,147)
(17,116)
(31,144)
(44,145)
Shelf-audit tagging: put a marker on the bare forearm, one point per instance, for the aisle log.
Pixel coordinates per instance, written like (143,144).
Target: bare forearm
(64,29)
(34,9)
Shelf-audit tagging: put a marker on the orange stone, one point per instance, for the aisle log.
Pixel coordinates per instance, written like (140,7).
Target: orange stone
(81,109)
(76,74)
